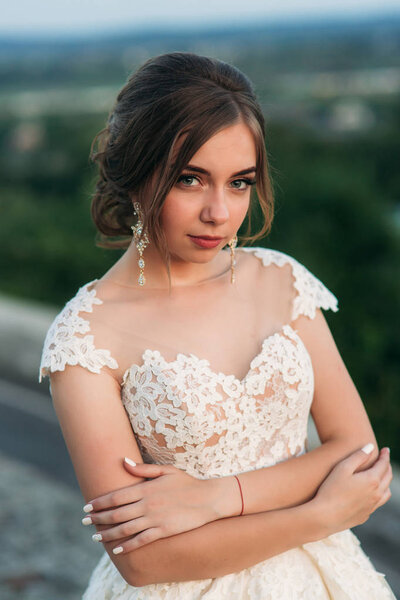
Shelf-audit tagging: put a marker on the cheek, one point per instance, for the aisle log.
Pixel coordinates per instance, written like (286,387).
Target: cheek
(238,214)
(176,214)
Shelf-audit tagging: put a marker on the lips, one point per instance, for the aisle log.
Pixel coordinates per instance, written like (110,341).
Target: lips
(208,242)
(207,237)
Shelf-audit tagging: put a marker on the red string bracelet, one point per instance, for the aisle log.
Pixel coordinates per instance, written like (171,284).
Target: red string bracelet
(241,494)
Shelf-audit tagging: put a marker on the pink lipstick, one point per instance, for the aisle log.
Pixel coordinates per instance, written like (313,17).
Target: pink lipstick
(205,242)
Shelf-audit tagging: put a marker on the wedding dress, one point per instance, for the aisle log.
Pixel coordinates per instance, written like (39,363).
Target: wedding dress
(216,381)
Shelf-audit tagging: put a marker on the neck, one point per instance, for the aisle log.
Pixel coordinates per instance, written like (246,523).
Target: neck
(182,272)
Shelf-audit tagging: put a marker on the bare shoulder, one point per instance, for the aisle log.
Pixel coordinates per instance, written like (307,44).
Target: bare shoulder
(87,332)
(272,280)
(302,288)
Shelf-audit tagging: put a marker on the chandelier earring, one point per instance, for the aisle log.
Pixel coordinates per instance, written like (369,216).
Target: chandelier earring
(141,240)
(232,246)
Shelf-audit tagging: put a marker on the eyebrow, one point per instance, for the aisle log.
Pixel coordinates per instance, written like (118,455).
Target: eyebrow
(201,170)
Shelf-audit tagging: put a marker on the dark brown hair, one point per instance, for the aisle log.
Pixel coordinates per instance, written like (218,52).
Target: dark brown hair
(170,96)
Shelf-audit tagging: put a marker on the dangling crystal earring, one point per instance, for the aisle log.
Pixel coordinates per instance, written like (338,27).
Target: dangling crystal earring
(142,243)
(232,245)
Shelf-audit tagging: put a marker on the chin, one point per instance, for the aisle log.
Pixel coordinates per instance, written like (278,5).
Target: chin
(193,257)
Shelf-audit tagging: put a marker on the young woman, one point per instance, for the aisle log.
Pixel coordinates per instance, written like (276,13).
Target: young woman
(205,359)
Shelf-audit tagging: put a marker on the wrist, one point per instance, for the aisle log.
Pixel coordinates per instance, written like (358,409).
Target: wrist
(224,497)
(319,519)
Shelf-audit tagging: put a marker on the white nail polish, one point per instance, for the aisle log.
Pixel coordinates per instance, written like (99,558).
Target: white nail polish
(87,521)
(118,550)
(97,537)
(130,462)
(88,507)
(368,448)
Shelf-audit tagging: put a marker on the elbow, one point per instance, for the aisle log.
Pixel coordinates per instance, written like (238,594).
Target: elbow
(133,575)
(135,579)
(134,572)
(129,568)
(143,566)
(139,577)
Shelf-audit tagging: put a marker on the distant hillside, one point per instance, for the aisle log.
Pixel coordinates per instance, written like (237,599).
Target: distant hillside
(372,41)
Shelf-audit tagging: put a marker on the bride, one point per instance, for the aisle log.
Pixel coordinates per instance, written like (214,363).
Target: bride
(184,376)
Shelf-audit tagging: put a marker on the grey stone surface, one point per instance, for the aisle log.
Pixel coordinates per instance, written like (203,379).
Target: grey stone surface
(23,326)
(45,552)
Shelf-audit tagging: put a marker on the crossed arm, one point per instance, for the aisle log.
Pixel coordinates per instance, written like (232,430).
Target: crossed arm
(87,404)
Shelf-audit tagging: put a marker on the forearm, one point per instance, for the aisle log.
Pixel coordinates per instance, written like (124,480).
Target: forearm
(225,546)
(288,483)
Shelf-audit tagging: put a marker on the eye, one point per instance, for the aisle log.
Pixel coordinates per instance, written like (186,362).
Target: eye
(191,178)
(247,182)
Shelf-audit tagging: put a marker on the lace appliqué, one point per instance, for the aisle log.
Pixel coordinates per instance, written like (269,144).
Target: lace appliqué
(63,347)
(212,424)
(312,293)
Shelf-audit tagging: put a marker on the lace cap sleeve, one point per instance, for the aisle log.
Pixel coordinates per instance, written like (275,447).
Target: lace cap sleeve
(311,292)
(62,346)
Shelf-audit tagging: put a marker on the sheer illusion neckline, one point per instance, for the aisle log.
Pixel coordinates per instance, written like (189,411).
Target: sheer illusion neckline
(149,355)
(66,342)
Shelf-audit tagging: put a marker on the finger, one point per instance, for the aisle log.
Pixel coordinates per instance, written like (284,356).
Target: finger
(126,495)
(122,531)
(386,479)
(379,467)
(386,496)
(115,516)
(357,458)
(145,469)
(147,536)
(130,493)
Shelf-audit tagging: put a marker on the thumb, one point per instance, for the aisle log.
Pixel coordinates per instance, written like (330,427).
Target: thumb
(359,457)
(144,469)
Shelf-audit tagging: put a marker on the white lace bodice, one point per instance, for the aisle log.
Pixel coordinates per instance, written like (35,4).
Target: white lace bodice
(212,424)
(204,421)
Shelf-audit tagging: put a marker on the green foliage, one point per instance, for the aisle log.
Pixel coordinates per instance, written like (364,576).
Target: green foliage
(335,215)
(48,236)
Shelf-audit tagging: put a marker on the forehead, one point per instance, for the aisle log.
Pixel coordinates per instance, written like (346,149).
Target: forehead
(232,148)
(235,139)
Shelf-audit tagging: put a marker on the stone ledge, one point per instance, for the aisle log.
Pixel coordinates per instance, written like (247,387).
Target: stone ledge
(23,327)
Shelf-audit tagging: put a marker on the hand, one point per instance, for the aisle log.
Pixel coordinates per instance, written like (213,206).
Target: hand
(173,502)
(348,496)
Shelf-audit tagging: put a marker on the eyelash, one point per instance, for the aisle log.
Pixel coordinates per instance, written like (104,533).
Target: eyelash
(249,182)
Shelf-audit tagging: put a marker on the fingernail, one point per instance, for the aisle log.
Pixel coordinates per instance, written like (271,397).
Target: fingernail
(97,537)
(130,462)
(118,550)
(88,507)
(87,521)
(368,448)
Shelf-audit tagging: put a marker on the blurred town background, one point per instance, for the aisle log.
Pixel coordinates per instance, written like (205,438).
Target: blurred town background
(330,92)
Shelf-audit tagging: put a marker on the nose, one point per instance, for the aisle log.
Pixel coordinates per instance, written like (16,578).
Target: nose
(215,207)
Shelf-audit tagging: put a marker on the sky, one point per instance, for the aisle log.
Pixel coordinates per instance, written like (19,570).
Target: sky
(76,17)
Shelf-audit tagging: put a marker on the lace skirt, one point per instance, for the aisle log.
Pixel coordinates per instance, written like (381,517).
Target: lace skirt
(335,568)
